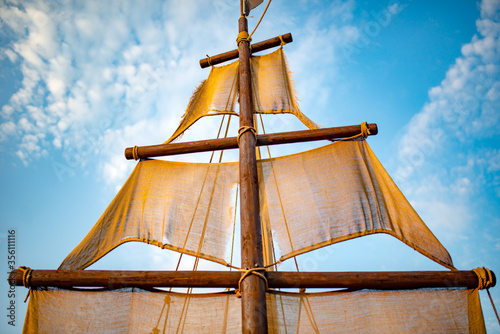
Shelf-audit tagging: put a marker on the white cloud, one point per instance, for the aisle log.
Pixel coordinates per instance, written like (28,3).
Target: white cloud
(110,68)
(494,161)
(490,9)
(7,129)
(115,170)
(101,67)
(461,111)
(10,54)
(7,110)
(464,106)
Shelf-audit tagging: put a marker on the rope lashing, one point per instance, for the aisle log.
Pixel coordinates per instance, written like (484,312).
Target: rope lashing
(26,279)
(484,277)
(485,280)
(208,61)
(26,276)
(365,131)
(244,129)
(282,41)
(135,153)
(248,272)
(243,36)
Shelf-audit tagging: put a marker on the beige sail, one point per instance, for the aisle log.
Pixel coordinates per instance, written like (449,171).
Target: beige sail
(313,199)
(272,90)
(179,206)
(140,311)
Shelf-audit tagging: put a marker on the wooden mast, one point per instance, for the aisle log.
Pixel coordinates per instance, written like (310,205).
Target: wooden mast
(253,288)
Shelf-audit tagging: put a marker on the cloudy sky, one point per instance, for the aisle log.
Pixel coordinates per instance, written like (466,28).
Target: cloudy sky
(82,80)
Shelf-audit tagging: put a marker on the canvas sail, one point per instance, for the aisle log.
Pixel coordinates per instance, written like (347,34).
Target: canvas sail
(272,88)
(135,310)
(313,199)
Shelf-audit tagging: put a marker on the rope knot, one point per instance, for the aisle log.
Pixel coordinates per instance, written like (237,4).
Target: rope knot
(243,37)
(244,129)
(209,61)
(484,277)
(282,41)
(248,272)
(365,131)
(26,276)
(135,153)
(485,281)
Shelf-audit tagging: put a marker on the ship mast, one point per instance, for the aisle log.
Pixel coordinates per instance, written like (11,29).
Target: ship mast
(253,287)
(253,306)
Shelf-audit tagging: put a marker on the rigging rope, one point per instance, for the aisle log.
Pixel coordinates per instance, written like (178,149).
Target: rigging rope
(248,272)
(261,17)
(244,129)
(195,266)
(485,281)
(365,132)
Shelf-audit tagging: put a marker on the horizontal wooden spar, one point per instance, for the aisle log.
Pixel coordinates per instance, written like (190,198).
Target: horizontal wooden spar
(385,280)
(257,47)
(262,140)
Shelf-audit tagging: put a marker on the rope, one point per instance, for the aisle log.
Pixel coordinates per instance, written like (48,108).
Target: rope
(485,280)
(253,271)
(208,61)
(262,16)
(135,153)
(26,279)
(243,37)
(26,276)
(244,129)
(155,330)
(271,239)
(493,304)
(484,277)
(241,269)
(365,131)
(234,225)
(282,41)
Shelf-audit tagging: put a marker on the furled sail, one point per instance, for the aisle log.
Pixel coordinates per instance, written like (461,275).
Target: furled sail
(141,311)
(312,199)
(272,91)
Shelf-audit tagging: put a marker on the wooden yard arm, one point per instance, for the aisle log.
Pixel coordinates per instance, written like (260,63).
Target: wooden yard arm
(262,140)
(386,280)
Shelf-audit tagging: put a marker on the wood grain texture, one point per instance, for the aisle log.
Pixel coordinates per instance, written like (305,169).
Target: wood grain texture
(262,140)
(391,280)
(257,47)
(253,289)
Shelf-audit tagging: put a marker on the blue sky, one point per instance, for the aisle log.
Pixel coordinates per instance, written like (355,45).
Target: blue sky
(80,81)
